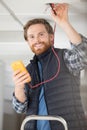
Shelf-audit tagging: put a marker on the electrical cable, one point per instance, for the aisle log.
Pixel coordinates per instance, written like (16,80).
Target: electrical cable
(11,12)
(58,69)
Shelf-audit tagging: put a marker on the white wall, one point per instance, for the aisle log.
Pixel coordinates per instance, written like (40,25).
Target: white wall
(2,77)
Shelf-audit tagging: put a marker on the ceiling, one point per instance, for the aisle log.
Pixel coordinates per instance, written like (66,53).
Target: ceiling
(15,13)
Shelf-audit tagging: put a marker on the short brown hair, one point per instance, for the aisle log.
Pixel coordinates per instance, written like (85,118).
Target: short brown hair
(37,21)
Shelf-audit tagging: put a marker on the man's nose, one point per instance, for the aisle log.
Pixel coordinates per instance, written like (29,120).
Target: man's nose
(37,39)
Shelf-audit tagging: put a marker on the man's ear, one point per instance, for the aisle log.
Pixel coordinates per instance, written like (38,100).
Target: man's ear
(52,38)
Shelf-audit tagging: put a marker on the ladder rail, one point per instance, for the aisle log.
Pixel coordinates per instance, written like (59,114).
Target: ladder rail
(36,117)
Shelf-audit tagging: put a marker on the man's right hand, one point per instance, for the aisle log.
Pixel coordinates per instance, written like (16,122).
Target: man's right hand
(19,80)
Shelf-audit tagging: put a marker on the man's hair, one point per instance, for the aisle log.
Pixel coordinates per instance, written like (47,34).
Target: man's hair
(37,21)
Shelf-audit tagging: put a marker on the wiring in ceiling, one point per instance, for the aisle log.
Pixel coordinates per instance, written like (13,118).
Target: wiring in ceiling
(11,12)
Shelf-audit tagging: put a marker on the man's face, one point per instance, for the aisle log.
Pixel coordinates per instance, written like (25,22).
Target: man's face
(38,38)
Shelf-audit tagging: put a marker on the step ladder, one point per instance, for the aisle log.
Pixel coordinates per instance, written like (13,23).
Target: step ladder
(36,117)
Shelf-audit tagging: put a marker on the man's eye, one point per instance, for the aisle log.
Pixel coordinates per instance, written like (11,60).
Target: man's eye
(41,34)
(31,37)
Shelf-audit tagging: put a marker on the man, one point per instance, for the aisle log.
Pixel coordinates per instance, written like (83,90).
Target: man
(55,75)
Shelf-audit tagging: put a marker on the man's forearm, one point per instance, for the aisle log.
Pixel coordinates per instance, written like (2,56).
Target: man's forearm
(72,34)
(20,95)
(18,106)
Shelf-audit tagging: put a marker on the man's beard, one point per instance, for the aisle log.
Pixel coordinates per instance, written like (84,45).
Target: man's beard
(41,47)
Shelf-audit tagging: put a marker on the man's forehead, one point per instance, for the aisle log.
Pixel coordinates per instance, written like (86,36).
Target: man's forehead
(36,28)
